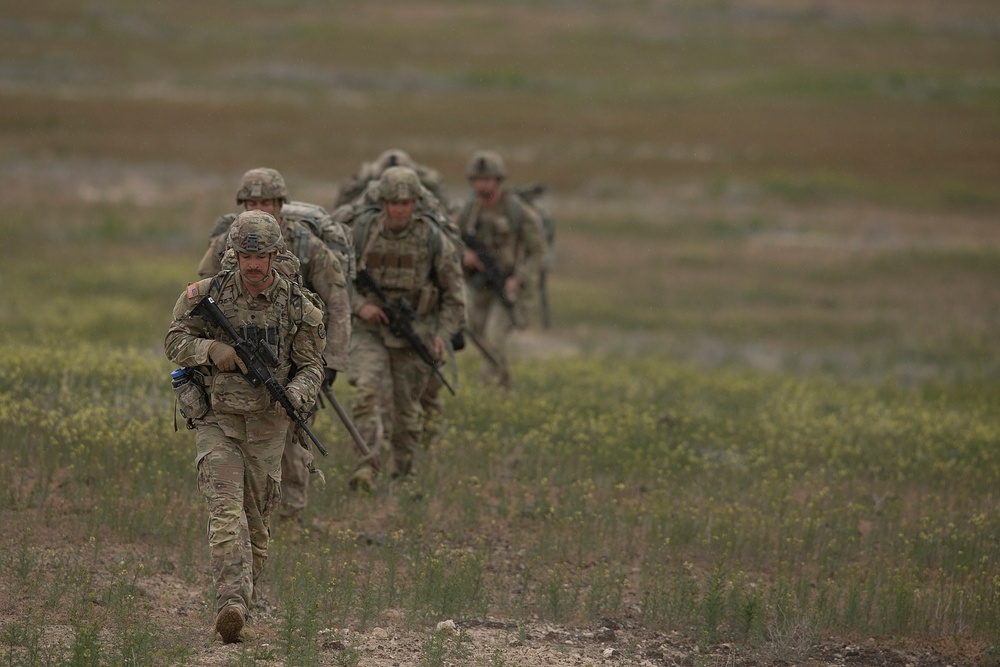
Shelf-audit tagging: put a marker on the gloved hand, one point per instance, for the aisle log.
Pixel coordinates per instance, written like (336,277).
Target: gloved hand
(294,397)
(225,358)
(298,402)
(330,376)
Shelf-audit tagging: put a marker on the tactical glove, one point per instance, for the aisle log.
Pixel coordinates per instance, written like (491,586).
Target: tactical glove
(330,376)
(225,358)
(295,398)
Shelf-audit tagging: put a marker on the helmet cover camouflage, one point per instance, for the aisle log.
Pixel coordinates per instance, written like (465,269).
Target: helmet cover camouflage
(394,157)
(399,184)
(254,233)
(260,184)
(486,164)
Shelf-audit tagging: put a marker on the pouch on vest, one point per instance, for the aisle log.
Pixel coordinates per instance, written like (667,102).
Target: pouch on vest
(233,395)
(190,394)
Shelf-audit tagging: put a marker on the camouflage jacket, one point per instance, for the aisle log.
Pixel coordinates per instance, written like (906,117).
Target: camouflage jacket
(320,271)
(513,231)
(419,264)
(361,182)
(282,315)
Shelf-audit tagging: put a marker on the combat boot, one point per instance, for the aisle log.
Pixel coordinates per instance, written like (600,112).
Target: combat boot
(229,624)
(362,480)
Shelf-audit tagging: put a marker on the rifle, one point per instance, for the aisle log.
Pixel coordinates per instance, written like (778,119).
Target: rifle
(259,359)
(477,341)
(543,294)
(401,316)
(493,275)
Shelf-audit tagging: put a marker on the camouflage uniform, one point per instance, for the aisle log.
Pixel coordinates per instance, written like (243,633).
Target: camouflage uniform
(241,438)
(360,183)
(358,197)
(420,264)
(513,232)
(319,271)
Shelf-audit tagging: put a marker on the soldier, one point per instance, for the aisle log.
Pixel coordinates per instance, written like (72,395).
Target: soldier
(240,435)
(501,260)
(320,272)
(409,258)
(360,194)
(355,187)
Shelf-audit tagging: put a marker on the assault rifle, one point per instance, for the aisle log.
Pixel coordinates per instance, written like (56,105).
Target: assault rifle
(492,275)
(401,316)
(259,359)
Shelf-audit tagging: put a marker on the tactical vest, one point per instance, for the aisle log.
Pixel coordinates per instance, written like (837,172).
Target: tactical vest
(277,325)
(513,209)
(401,266)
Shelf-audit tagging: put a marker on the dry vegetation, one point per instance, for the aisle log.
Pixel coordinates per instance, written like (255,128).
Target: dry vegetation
(805,188)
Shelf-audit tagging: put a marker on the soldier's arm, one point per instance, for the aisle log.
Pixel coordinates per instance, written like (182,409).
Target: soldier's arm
(326,279)
(531,249)
(187,340)
(211,261)
(306,351)
(339,240)
(451,318)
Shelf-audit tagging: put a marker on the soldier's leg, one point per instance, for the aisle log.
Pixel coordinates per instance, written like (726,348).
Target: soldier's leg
(478,310)
(409,380)
(295,464)
(262,484)
(369,373)
(221,481)
(496,331)
(433,407)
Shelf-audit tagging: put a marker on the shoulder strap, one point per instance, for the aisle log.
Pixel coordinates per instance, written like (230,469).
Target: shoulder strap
(366,230)
(218,282)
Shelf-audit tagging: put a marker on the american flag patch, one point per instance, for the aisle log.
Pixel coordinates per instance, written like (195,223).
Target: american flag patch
(192,290)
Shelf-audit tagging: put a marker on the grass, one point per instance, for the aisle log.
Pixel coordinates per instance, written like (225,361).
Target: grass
(776,253)
(722,501)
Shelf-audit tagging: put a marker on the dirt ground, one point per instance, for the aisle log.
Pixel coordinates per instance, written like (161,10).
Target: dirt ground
(181,609)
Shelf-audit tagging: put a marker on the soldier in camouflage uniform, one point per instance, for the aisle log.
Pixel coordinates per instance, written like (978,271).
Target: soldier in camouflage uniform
(362,181)
(240,432)
(360,196)
(321,272)
(409,257)
(512,231)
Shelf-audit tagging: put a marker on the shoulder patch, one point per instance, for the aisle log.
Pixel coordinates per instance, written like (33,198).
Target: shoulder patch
(311,315)
(192,290)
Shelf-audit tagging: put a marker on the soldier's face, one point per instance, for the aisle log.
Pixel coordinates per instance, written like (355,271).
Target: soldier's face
(485,188)
(398,213)
(272,206)
(255,267)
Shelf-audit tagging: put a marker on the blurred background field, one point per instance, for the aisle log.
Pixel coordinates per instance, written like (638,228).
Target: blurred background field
(775,291)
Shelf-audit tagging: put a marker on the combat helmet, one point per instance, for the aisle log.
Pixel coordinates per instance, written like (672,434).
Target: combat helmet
(255,233)
(486,164)
(394,157)
(262,183)
(398,184)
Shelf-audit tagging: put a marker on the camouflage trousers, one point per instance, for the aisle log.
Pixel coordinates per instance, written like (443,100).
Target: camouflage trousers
(387,411)
(296,463)
(491,322)
(433,409)
(239,473)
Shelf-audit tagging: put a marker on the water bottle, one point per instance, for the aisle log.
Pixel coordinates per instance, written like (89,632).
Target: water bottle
(179,377)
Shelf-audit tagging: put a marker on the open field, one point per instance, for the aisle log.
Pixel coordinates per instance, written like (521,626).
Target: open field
(763,428)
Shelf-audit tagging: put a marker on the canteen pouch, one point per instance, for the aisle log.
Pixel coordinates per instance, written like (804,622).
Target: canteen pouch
(190,394)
